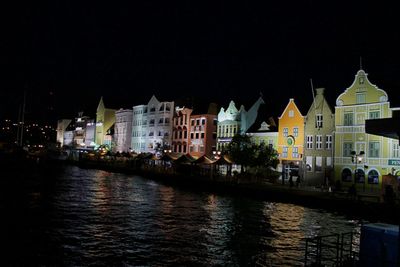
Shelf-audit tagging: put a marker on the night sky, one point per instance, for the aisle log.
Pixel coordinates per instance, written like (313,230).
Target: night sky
(215,52)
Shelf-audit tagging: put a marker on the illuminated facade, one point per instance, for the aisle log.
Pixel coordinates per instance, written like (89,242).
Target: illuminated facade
(264,133)
(291,139)
(61,127)
(203,134)
(105,119)
(319,141)
(234,121)
(152,126)
(371,155)
(123,130)
(180,132)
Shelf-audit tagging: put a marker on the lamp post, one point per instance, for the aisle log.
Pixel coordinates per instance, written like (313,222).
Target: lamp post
(357,158)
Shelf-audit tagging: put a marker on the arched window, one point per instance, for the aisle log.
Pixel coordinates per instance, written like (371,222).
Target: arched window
(360,176)
(161,107)
(373,177)
(346,175)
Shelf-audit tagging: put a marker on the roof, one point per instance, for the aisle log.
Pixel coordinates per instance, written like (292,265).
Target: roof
(264,115)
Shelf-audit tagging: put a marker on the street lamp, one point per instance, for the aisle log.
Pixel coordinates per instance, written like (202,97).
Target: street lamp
(357,159)
(216,154)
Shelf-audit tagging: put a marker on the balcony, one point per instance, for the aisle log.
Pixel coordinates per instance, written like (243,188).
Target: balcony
(350,129)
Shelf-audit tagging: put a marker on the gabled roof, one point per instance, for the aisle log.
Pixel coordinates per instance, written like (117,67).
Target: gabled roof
(264,115)
(291,101)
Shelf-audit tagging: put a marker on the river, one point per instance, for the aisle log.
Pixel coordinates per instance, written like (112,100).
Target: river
(81,217)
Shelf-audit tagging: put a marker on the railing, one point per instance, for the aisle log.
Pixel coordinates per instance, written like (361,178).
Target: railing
(332,250)
(350,129)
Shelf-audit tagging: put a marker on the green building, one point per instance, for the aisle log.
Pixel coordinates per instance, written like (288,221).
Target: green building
(362,158)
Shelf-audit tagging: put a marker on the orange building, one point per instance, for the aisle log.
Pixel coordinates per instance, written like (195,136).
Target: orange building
(291,140)
(203,134)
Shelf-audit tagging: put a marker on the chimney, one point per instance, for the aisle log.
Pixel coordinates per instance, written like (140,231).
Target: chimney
(320,91)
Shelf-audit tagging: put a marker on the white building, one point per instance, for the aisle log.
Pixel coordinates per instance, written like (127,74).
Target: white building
(61,127)
(233,121)
(123,130)
(152,126)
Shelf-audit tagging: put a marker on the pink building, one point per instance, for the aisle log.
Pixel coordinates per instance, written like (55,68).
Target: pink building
(180,130)
(193,134)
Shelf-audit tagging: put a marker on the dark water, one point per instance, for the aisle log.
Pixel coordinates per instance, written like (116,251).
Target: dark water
(94,218)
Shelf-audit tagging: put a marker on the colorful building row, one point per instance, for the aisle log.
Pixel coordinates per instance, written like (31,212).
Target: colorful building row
(321,145)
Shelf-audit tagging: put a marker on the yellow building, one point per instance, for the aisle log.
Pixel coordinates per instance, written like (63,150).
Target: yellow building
(105,119)
(291,140)
(361,158)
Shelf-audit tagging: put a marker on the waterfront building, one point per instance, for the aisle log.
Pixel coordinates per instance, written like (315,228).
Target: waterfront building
(291,140)
(318,144)
(362,158)
(123,130)
(61,127)
(105,119)
(203,134)
(152,126)
(233,121)
(264,133)
(180,130)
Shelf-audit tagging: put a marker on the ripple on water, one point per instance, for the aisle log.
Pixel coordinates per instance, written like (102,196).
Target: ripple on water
(100,218)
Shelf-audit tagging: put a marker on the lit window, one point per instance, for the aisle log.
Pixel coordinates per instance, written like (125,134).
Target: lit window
(360,98)
(318,121)
(296,131)
(328,142)
(374,115)
(318,141)
(295,153)
(284,152)
(348,119)
(285,132)
(309,142)
(374,148)
(347,148)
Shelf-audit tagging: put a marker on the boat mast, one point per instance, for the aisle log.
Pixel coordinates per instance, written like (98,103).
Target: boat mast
(21,121)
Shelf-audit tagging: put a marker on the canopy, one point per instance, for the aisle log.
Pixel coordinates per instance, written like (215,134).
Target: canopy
(203,160)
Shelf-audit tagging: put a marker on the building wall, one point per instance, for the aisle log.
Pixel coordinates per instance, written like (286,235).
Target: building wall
(228,125)
(268,138)
(123,130)
(61,126)
(291,118)
(319,141)
(156,126)
(361,101)
(105,119)
(202,139)
(139,117)
(180,130)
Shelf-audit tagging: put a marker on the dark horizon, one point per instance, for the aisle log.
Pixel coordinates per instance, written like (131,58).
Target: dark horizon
(208,53)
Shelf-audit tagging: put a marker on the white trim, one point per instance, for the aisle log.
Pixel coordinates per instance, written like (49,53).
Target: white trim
(360,72)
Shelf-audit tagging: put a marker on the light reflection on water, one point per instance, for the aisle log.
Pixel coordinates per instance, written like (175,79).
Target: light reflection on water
(101,218)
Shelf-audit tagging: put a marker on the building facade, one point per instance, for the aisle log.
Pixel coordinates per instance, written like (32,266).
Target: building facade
(105,119)
(203,135)
(361,158)
(291,140)
(234,121)
(123,130)
(152,126)
(61,127)
(319,141)
(264,133)
(180,132)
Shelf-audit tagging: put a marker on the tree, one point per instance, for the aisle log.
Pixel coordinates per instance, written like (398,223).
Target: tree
(242,151)
(266,157)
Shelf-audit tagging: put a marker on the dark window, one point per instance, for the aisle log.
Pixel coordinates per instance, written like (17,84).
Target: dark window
(202,135)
